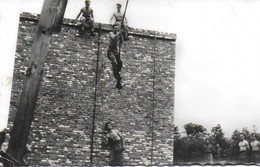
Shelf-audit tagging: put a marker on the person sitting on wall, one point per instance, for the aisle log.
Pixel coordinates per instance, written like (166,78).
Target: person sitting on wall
(113,53)
(87,19)
(118,17)
(114,140)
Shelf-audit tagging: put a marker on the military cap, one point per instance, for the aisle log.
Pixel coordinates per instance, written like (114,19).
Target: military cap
(118,4)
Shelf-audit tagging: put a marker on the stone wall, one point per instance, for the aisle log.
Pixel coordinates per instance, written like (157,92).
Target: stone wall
(143,110)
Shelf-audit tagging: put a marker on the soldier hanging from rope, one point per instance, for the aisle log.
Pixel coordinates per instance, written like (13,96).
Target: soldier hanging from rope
(117,37)
(87,19)
(113,53)
(120,19)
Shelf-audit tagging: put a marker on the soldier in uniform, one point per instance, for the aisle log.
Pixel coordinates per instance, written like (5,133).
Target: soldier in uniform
(87,19)
(243,149)
(255,144)
(118,17)
(208,152)
(113,53)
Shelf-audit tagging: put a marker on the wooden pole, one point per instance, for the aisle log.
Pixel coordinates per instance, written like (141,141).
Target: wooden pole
(25,111)
(60,15)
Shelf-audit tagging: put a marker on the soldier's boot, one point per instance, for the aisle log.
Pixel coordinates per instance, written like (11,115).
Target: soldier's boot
(118,84)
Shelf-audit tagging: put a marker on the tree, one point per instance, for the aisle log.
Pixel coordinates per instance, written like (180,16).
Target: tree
(218,138)
(194,129)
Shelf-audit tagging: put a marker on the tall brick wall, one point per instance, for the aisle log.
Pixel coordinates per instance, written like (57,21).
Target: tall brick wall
(143,110)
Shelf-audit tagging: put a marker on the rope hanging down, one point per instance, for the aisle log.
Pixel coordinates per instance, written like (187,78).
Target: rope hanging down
(122,23)
(153,105)
(95,99)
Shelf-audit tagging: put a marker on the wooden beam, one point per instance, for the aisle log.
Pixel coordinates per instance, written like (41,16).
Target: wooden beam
(25,111)
(60,15)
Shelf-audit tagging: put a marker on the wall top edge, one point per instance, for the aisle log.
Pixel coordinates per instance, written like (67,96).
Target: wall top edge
(107,27)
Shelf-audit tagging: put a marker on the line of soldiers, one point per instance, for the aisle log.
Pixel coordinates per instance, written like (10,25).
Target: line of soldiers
(116,37)
(244,149)
(211,152)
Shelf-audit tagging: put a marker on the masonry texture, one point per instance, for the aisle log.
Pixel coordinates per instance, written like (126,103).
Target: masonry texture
(143,110)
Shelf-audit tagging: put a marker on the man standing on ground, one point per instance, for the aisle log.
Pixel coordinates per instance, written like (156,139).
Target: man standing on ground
(255,144)
(208,152)
(243,149)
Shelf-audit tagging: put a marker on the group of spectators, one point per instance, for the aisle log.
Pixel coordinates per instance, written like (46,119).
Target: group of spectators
(248,152)
(211,152)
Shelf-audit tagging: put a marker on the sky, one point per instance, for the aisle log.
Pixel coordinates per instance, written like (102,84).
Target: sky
(217,54)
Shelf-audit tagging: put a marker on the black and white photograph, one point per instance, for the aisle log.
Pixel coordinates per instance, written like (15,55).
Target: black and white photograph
(92,86)
(129,82)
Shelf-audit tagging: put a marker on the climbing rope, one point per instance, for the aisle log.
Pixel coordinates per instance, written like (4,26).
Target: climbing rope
(95,99)
(152,144)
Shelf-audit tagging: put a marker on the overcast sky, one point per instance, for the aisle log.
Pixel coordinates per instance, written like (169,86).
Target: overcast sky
(217,54)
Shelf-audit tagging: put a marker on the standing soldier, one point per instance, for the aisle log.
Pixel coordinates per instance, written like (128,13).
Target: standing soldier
(113,53)
(87,19)
(208,152)
(118,17)
(243,149)
(255,144)
(217,158)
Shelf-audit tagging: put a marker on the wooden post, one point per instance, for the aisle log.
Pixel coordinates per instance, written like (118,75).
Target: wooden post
(59,17)
(25,111)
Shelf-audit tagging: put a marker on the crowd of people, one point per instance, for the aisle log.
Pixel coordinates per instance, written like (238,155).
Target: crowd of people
(248,152)
(245,148)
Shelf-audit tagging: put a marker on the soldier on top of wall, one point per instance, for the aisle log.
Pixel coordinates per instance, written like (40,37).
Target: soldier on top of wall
(113,53)
(86,19)
(118,17)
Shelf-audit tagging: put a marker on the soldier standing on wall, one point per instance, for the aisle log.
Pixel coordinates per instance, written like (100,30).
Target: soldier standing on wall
(113,53)
(87,19)
(114,140)
(118,17)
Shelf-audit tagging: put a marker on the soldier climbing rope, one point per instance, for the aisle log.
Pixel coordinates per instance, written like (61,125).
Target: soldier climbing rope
(116,40)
